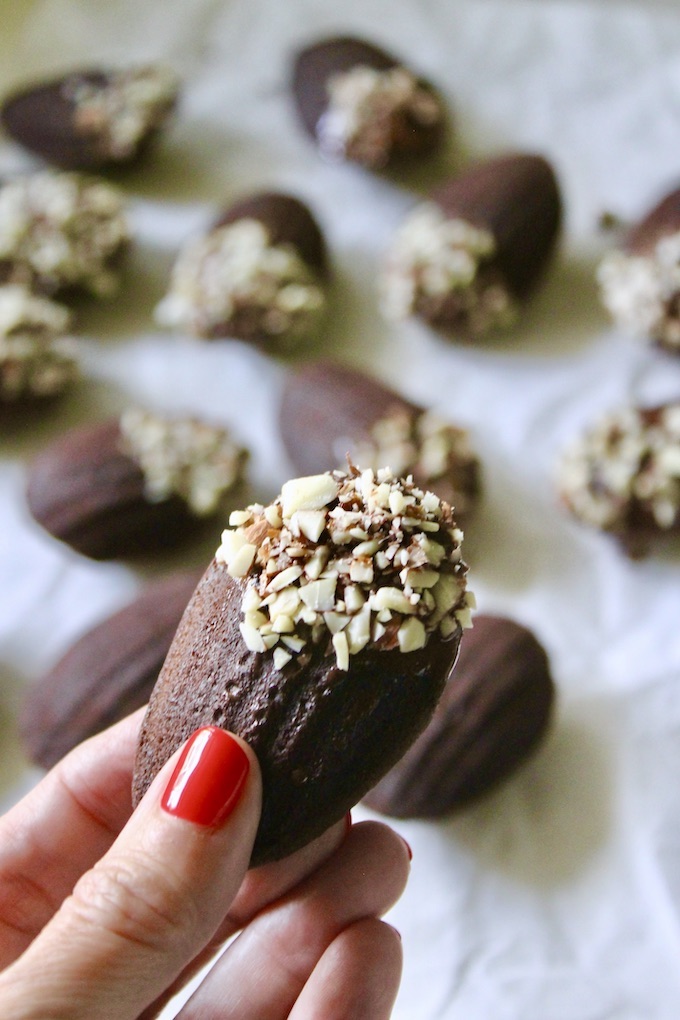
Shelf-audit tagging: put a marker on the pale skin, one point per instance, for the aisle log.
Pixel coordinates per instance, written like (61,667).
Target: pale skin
(106,913)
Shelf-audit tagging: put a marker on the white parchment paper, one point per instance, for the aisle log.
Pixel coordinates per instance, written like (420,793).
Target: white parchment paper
(558,897)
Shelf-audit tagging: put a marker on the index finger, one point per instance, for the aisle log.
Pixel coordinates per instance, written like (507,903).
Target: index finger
(60,829)
(72,817)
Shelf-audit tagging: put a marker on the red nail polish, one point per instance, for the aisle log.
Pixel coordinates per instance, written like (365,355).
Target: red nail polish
(408,848)
(208,778)
(348,823)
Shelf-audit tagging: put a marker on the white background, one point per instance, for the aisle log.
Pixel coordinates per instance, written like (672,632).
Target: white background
(557,898)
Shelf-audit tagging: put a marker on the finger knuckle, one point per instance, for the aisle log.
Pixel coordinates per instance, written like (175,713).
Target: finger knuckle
(134,900)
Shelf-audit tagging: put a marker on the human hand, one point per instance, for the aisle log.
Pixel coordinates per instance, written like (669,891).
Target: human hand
(107,913)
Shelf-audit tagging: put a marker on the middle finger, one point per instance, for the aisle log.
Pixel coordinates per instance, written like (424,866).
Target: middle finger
(263,972)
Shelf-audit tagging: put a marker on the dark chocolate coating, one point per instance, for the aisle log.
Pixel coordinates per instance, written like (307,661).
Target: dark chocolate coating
(42,118)
(636,528)
(314,65)
(85,491)
(662,219)
(325,403)
(326,407)
(516,197)
(323,737)
(288,221)
(494,711)
(106,674)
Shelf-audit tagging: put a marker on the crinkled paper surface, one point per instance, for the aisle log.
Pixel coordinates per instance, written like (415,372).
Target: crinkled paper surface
(557,898)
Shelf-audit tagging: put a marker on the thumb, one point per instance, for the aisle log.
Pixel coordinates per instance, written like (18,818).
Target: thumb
(136,919)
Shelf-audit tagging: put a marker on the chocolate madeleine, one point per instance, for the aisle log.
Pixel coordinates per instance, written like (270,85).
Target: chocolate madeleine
(361,104)
(37,359)
(133,484)
(322,633)
(623,475)
(62,233)
(106,674)
(640,281)
(329,411)
(467,259)
(91,119)
(495,709)
(258,274)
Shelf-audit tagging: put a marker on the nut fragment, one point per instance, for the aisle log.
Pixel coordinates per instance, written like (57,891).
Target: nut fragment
(184,457)
(37,359)
(361,104)
(329,411)
(89,119)
(399,573)
(640,281)
(493,712)
(62,232)
(130,486)
(327,676)
(623,475)
(256,275)
(466,260)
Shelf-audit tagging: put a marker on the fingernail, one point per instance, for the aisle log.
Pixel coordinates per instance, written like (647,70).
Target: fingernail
(348,822)
(208,779)
(408,848)
(395,930)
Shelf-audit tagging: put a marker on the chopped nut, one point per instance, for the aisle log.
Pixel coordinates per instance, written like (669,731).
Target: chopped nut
(311,493)
(641,291)
(123,108)
(62,230)
(365,106)
(36,358)
(337,590)
(234,273)
(432,257)
(626,469)
(184,457)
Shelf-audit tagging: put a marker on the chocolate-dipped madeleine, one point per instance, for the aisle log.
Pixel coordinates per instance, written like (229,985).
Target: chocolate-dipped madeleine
(640,281)
(623,475)
(323,633)
(136,483)
(107,673)
(493,713)
(329,411)
(38,359)
(62,232)
(93,118)
(360,103)
(258,274)
(466,260)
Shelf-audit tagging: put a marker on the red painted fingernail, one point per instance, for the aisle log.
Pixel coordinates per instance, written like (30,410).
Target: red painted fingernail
(408,848)
(348,822)
(208,778)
